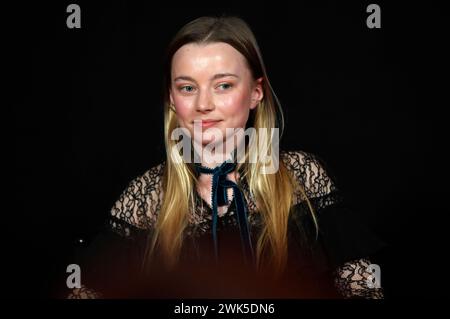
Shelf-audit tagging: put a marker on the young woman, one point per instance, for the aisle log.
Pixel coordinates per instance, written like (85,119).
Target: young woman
(238,221)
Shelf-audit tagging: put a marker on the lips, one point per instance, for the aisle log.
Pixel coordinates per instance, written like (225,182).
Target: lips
(208,122)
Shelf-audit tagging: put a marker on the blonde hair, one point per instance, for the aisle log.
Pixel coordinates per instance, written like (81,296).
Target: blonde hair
(179,179)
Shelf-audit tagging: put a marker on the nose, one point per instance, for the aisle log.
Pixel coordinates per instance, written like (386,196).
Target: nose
(205,102)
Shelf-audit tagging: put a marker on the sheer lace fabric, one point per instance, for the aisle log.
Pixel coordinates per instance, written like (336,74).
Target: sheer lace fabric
(138,206)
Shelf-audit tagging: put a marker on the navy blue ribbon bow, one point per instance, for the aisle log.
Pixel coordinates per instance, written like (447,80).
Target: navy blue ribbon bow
(220,185)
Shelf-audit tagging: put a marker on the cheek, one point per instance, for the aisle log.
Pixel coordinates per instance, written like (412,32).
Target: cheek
(236,108)
(184,109)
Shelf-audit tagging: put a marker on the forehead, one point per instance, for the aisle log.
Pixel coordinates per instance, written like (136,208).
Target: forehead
(203,59)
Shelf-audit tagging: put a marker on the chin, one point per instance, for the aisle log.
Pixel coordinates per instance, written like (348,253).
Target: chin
(211,142)
(206,142)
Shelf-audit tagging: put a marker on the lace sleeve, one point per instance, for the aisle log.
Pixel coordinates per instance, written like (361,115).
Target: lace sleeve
(140,203)
(84,293)
(308,170)
(343,235)
(352,280)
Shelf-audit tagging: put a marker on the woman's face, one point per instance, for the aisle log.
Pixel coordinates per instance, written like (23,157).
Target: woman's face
(212,83)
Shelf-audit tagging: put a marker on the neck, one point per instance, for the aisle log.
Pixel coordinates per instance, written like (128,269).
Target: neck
(211,158)
(214,154)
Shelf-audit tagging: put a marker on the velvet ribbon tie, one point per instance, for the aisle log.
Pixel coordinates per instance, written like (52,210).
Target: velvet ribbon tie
(219,197)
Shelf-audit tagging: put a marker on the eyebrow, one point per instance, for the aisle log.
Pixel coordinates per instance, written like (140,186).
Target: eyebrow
(214,77)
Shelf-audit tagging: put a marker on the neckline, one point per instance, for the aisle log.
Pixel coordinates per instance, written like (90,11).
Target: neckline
(208,207)
(232,159)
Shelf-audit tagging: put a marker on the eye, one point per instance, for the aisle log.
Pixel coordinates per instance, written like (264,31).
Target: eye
(187,88)
(225,86)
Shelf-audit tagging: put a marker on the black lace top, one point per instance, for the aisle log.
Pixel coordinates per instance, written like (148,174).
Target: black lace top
(335,264)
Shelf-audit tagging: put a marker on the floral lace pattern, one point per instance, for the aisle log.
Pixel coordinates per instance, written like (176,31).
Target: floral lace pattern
(139,205)
(352,281)
(84,293)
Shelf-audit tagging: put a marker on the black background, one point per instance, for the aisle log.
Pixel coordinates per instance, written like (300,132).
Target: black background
(92,121)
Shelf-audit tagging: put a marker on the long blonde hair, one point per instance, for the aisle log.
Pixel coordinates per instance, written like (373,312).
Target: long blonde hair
(179,179)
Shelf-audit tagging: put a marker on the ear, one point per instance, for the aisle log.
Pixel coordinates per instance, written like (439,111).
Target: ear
(257,93)
(171,97)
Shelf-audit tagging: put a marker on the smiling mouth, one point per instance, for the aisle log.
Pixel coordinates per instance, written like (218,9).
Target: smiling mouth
(207,123)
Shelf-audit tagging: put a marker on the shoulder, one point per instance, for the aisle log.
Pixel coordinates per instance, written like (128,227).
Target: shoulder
(310,171)
(140,202)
